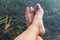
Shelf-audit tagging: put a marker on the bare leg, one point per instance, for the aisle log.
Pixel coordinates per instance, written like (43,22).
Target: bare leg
(36,27)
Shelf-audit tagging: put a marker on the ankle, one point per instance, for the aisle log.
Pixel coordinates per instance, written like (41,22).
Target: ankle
(33,29)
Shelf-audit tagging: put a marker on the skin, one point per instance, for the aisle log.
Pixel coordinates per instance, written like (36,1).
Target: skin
(34,22)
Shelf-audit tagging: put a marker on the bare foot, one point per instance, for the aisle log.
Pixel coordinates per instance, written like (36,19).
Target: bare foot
(35,16)
(38,19)
(29,14)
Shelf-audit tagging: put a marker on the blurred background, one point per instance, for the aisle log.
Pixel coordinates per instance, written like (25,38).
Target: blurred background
(12,18)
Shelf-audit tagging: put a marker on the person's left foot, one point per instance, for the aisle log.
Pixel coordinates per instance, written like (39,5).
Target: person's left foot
(29,14)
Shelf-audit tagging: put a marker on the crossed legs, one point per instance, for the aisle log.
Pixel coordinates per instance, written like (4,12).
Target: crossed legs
(34,21)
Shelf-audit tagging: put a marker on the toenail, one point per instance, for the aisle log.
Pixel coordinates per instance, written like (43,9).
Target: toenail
(38,4)
(31,7)
(27,8)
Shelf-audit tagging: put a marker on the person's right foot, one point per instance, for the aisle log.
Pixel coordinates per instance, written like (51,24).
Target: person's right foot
(38,19)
